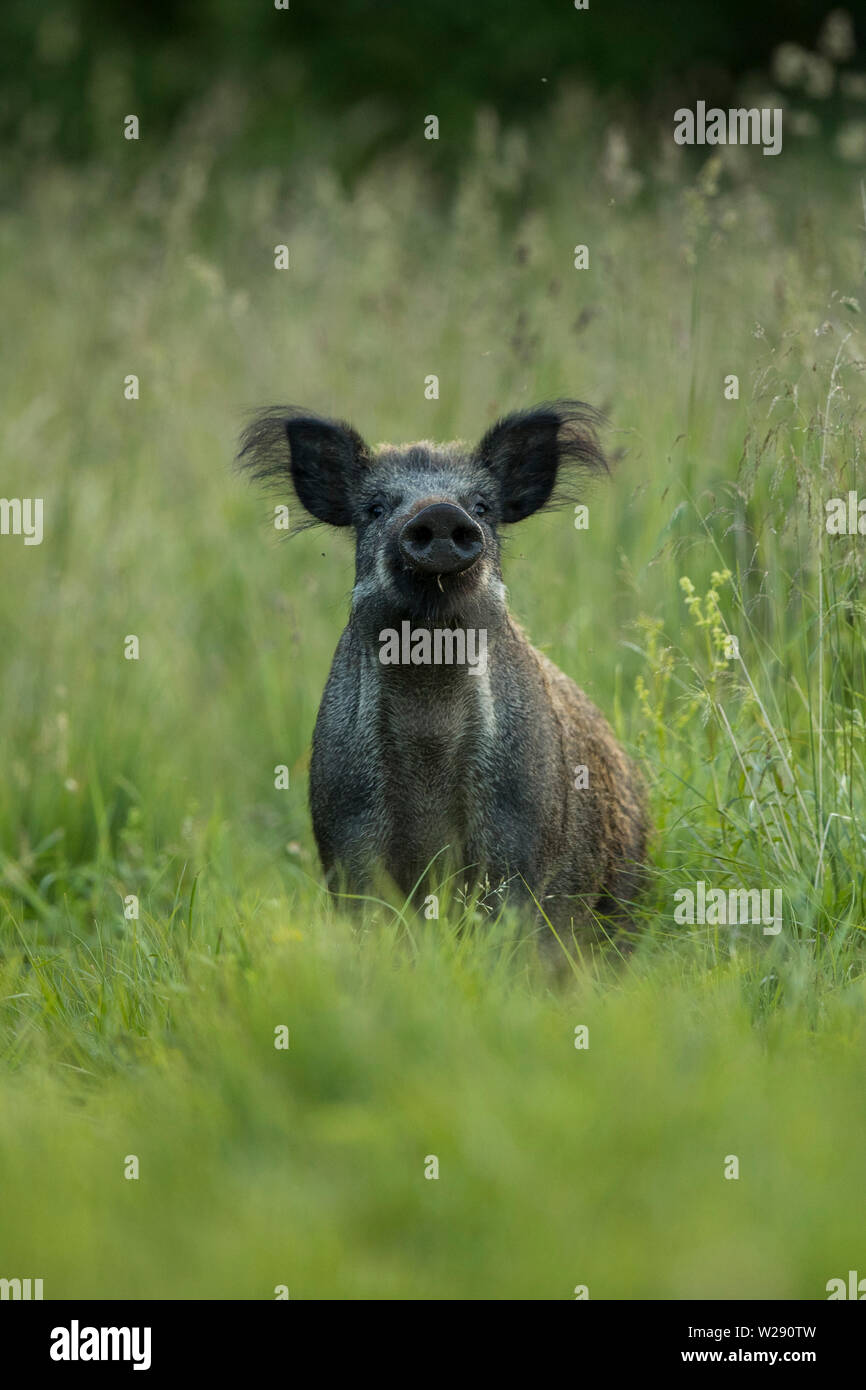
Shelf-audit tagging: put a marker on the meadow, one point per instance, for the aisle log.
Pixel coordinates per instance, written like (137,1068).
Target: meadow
(153,1036)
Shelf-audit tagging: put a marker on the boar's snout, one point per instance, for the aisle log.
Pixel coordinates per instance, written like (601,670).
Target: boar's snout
(441,539)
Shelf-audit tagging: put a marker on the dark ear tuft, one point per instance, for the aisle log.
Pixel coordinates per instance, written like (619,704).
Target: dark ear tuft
(322,457)
(528,451)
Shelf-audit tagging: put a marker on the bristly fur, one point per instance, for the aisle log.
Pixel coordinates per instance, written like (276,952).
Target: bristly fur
(578,440)
(265,453)
(577,426)
(568,428)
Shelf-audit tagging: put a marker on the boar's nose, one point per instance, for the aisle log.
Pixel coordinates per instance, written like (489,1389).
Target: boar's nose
(441,539)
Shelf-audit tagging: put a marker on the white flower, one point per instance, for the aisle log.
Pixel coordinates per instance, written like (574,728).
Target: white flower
(836,38)
(851,141)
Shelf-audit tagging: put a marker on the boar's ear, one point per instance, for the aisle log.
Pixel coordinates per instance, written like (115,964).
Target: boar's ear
(528,453)
(323,457)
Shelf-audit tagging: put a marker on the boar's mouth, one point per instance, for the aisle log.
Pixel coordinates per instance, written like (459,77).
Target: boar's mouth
(464,599)
(426,585)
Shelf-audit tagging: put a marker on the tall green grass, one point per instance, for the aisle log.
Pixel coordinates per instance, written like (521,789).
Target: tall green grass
(154,1036)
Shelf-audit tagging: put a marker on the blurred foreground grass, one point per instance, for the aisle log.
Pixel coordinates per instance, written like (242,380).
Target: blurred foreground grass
(155,1037)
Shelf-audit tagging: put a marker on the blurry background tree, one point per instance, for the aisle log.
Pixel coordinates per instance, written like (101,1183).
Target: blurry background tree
(70,69)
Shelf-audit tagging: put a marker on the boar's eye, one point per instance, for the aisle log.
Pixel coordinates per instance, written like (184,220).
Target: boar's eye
(376,510)
(480,508)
